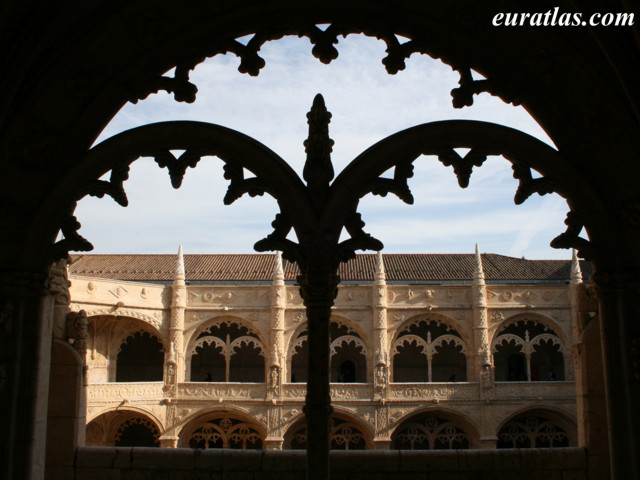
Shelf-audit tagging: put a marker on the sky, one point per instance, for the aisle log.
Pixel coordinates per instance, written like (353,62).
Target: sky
(367,105)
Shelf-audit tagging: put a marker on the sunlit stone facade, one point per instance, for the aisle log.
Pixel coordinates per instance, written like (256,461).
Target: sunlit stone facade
(427,352)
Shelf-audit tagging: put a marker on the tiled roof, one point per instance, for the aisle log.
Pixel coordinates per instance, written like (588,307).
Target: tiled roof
(259,267)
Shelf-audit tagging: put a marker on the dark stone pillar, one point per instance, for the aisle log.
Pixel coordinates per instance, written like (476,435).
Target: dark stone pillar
(25,345)
(318,290)
(619,304)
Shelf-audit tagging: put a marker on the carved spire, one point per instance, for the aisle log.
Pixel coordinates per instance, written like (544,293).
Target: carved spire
(278,270)
(179,276)
(379,272)
(478,273)
(576,272)
(318,169)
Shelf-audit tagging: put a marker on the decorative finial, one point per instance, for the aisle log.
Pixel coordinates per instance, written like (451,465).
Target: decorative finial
(318,170)
(576,272)
(179,274)
(478,273)
(278,270)
(379,269)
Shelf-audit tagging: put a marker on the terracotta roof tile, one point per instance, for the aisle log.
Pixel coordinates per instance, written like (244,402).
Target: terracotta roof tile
(259,267)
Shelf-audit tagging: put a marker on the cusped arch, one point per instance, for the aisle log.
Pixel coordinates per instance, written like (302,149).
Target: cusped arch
(423,357)
(445,418)
(547,422)
(351,325)
(137,409)
(131,426)
(225,421)
(540,353)
(436,317)
(222,319)
(537,317)
(347,432)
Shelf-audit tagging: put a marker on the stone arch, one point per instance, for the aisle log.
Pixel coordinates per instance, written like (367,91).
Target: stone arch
(347,432)
(349,351)
(349,337)
(133,427)
(437,317)
(535,351)
(237,352)
(435,428)
(137,409)
(423,356)
(537,427)
(222,427)
(598,111)
(538,317)
(108,334)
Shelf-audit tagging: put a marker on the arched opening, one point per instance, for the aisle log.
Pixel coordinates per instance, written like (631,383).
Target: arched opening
(140,359)
(222,430)
(428,351)
(227,352)
(344,434)
(536,429)
(348,355)
(123,428)
(431,431)
(528,350)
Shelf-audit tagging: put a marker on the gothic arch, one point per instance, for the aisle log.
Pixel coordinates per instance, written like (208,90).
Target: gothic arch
(351,325)
(237,418)
(108,334)
(213,358)
(591,124)
(140,410)
(224,318)
(347,432)
(517,352)
(110,426)
(541,414)
(432,316)
(413,357)
(537,317)
(470,427)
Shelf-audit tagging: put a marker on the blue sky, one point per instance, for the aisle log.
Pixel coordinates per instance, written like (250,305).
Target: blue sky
(367,105)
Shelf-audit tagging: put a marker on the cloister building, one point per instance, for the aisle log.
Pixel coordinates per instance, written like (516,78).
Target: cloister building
(430,351)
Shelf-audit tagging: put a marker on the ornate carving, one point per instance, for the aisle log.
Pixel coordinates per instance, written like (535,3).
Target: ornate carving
(179,85)
(151,320)
(571,237)
(532,432)
(430,433)
(527,185)
(226,432)
(78,331)
(463,166)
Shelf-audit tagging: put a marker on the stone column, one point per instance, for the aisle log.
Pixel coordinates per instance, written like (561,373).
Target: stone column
(619,310)
(380,358)
(482,360)
(278,306)
(318,289)
(25,350)
(176,327)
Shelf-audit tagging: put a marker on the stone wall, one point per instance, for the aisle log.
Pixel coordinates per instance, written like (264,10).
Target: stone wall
(137,463)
